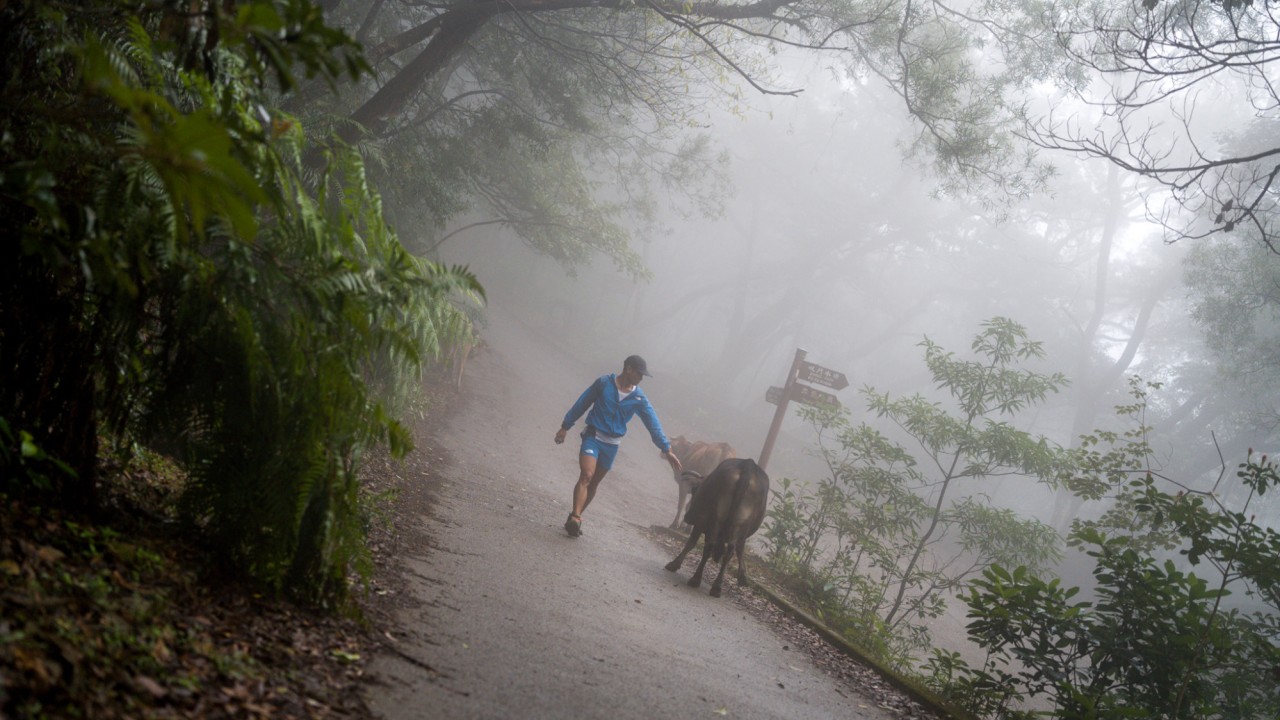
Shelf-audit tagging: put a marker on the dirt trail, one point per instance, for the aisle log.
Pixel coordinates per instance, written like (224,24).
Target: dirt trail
(509,618)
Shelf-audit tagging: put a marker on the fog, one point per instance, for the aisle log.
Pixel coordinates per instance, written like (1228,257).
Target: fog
(835,240)
(832,242)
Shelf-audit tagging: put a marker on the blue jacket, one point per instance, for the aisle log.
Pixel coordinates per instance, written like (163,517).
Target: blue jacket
(610,416)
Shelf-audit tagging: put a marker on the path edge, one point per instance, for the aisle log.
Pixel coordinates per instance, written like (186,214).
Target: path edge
(908,686)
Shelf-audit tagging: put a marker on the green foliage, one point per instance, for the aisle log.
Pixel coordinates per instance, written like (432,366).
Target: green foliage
(1156,639)
(1106,459)
(274,418)
(1235,306)
(176,281)
(886,535)
(24,465)
(569,140)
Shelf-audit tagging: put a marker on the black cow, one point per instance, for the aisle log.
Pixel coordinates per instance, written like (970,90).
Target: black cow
(727,508)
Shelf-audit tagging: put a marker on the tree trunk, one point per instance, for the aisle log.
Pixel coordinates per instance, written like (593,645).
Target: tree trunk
(456,27)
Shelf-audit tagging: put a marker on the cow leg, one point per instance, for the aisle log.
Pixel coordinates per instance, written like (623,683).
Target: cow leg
(742,558)
(684,494)
(696,580)
(724,563)
(675,564)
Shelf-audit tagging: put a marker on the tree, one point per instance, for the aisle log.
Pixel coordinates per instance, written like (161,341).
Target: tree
(1159,63)
(890,531)
(1237,307)
(1198,636)
(603,94)
(174,281)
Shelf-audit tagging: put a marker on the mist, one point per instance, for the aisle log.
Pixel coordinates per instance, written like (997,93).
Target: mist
(258,246)
(837,238)
(832,241)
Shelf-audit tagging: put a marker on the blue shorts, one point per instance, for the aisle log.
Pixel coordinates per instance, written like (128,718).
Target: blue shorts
(603,452)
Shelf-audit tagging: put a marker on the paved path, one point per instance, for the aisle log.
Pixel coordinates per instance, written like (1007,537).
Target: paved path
(521,621)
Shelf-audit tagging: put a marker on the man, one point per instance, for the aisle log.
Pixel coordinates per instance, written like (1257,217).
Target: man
(614,399)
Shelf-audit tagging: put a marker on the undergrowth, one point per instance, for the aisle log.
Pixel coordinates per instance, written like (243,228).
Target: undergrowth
(119,616)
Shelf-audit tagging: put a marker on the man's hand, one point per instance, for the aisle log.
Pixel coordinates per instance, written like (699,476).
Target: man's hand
(560,436)
(671,458)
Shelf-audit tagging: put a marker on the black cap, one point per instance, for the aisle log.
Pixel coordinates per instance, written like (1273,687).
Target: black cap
(637,362)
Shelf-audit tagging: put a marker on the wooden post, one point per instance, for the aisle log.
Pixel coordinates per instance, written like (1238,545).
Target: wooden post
(781,412)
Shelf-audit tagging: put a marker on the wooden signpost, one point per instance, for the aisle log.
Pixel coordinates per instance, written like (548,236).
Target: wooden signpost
(804,394)
(825,377)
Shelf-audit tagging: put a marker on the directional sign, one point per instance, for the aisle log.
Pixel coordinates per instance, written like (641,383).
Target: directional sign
(802,394)
(825,377)
(808,372)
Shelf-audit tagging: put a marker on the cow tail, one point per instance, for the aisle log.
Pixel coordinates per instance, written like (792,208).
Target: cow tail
(745,470)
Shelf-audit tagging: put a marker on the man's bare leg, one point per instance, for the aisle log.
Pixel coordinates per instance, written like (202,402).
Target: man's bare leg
(589,477)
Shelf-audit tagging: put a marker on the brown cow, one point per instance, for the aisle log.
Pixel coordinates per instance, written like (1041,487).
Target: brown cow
(697,459)
(727,508)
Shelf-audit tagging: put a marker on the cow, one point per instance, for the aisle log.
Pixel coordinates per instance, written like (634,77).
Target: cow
(697,460)
(727,508)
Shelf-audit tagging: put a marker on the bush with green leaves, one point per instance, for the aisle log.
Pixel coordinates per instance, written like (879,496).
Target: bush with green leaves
(27,467)
(1193,633)
(185,270)
(889,532)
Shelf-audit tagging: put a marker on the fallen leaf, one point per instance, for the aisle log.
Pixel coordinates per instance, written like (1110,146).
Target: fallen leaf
(160,651)
(345,656)
(33,662)
(156,689)
(49,554)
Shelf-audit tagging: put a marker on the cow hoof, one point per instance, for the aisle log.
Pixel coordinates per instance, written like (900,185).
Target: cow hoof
(715,591)
(672,566)
(695,582)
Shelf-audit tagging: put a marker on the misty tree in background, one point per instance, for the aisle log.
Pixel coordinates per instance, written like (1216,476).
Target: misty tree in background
(833,241)
(1184,615)
(1236,303)
(892,530)
(1213,353)
(819,211)
(1225,392)
(552,119)
(1173,75)
(1126,314)
(1193,337)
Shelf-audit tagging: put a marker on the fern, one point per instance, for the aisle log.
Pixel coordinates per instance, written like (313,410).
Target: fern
(181,275)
